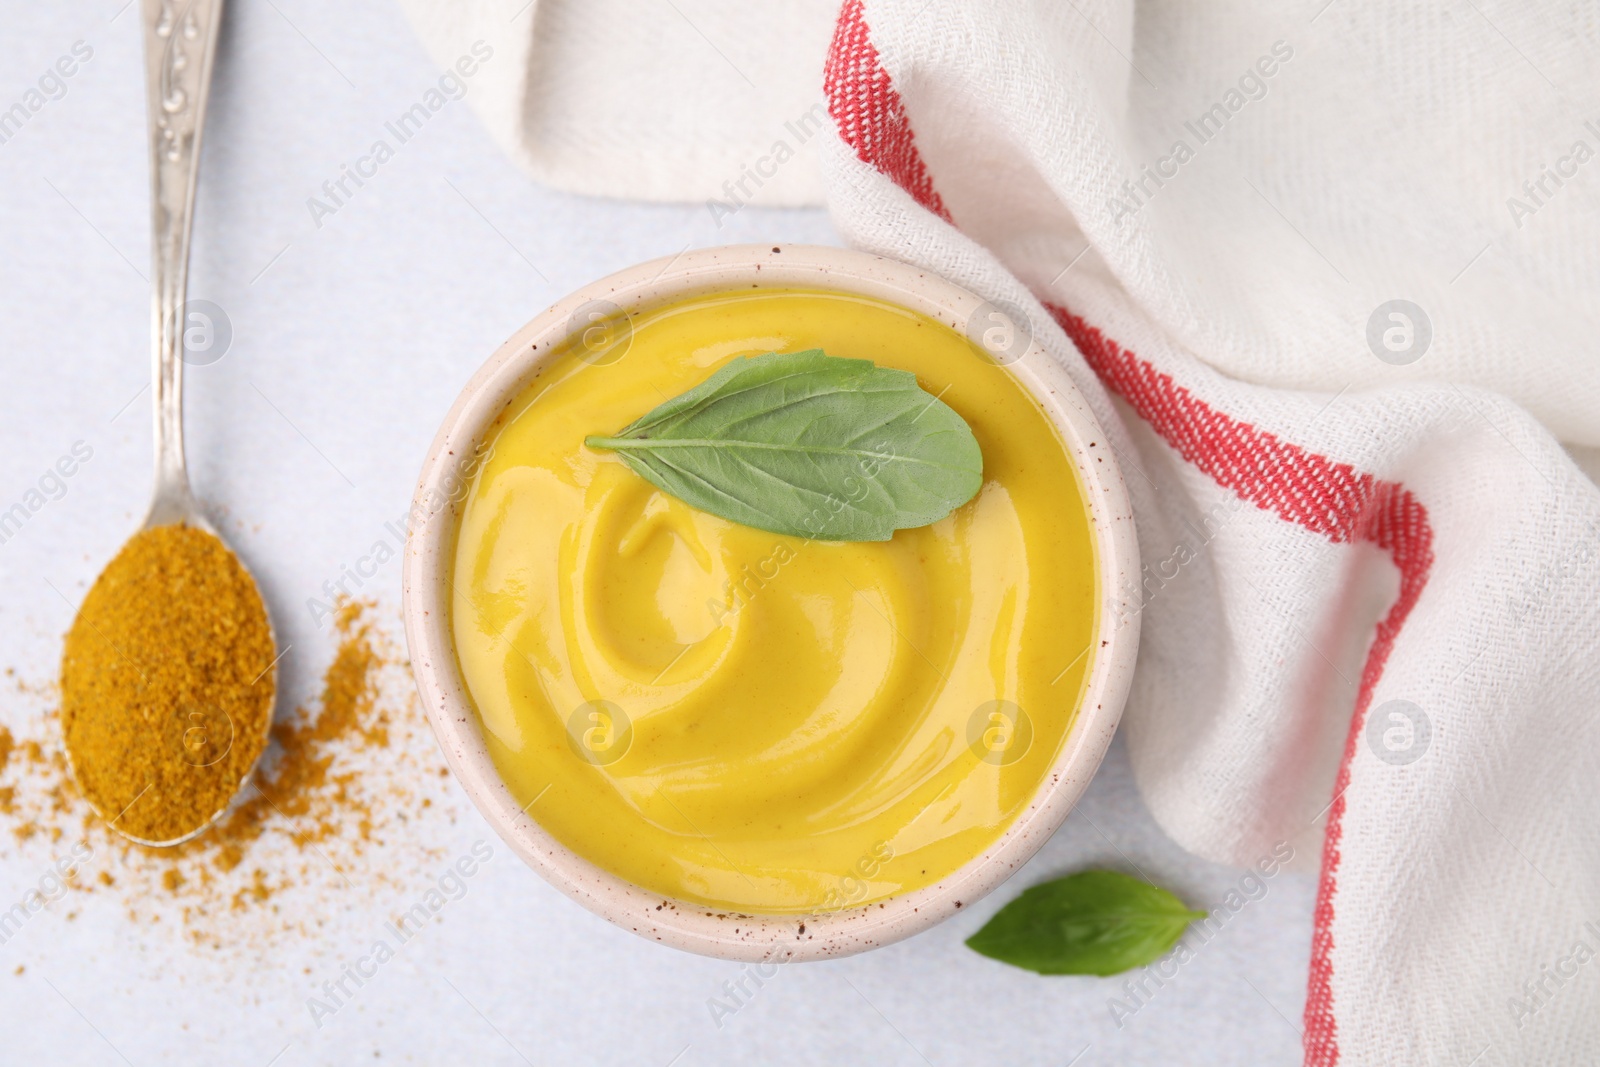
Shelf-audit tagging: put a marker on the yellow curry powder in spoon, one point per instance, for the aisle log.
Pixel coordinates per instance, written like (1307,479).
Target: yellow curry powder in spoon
(166,683)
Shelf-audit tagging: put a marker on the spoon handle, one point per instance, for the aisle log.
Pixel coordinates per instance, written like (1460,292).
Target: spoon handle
(180,42)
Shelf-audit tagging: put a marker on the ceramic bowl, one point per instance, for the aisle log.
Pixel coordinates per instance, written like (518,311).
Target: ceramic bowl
(430,549)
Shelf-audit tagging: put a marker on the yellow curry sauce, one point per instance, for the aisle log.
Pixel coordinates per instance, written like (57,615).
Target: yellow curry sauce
(758,722)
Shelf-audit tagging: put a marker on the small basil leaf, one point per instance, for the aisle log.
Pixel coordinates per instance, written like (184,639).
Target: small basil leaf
(1093,922)
(810,445)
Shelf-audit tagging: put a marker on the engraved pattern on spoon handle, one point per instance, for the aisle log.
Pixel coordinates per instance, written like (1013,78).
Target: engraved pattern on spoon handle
(180,43)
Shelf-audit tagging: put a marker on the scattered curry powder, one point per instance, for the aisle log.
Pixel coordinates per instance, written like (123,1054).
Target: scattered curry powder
(166,683)
(340,813)
(8,794)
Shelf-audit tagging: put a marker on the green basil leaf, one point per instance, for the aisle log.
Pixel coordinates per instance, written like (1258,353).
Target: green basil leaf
(1093,922)
(810,445)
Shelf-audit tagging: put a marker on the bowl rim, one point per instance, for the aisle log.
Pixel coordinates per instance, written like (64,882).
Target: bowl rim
(725,934)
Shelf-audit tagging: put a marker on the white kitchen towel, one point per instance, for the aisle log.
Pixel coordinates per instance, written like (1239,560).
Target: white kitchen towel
(1328,275)
(1298,248)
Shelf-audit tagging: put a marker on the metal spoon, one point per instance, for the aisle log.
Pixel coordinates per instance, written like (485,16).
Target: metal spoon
(180,44)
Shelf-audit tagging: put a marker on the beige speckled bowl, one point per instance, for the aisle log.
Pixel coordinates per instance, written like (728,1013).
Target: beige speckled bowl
(690,926)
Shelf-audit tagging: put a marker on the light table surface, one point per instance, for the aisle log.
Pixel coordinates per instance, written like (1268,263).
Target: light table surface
(351,334)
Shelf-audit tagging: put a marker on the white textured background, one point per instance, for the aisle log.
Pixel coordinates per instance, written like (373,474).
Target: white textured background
(349,343)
